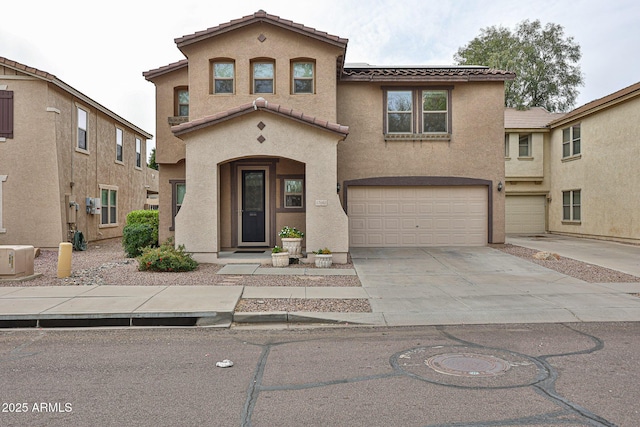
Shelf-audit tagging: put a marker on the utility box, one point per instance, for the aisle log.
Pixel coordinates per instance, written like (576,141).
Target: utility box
(16,261)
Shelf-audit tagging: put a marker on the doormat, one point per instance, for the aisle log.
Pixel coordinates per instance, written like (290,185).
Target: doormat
(249,252)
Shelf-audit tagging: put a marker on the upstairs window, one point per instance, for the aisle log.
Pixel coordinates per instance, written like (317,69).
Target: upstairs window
(417,111)
(223,77)
(82,128)
(138,153)
(571,141)
(434,111)
(399,111)
(506,145)
(182,102)
(303,77)
(119,145)
(6,114)
(263,77)
(524,145)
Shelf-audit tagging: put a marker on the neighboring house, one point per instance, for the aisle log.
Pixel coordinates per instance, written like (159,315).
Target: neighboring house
(589,163)
(263,125)
(526,154)
(58,147)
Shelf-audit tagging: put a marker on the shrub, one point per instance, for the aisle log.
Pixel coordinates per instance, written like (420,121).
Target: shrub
(277,250)
(166,258)
(135,237)
(145,217)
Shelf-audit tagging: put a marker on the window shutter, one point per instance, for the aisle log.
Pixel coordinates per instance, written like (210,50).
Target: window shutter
(6,113)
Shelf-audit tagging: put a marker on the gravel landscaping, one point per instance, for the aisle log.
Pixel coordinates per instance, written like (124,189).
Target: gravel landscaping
(580,270)
(311,305)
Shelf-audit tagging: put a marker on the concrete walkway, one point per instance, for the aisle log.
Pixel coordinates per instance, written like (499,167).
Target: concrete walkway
(417,286)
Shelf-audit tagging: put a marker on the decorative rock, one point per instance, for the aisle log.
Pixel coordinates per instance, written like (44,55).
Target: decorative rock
(547,256)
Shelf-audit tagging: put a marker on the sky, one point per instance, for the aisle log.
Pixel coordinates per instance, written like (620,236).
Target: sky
(102,48)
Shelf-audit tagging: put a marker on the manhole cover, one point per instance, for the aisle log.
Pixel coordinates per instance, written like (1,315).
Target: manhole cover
(467,365)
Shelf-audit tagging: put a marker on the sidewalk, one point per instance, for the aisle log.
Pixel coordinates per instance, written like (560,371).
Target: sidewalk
(416,286)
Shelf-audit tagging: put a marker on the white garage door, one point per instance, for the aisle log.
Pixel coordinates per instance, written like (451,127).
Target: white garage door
(524,214)
(417,216)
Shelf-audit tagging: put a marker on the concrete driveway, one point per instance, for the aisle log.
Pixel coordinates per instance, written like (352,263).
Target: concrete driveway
(481,285)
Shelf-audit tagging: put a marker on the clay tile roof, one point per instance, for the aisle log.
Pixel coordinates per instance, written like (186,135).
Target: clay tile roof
(533,118)
(366,72)
(27,69)
(149,75)
(261,16)
(262,105)
(598,104)
(67,88)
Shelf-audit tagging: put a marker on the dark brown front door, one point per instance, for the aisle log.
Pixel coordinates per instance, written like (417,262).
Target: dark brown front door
(253,206)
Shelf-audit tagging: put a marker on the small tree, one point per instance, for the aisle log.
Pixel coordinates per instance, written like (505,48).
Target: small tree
(152,159)
(544,60)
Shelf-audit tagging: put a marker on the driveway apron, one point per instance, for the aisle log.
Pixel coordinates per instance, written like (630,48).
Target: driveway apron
(479,285)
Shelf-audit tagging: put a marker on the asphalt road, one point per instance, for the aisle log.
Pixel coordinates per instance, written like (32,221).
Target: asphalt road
(498,375)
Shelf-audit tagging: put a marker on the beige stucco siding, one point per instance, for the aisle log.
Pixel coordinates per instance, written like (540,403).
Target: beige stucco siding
(171,150)
(605,172)
(31,196)
(475,150)
(45,170)
(198,223)
(280,46)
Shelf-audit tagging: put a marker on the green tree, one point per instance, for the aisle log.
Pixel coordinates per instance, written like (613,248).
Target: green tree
(152,159)
(544,59)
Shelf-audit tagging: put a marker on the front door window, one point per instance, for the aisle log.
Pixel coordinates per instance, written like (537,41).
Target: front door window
(253,207)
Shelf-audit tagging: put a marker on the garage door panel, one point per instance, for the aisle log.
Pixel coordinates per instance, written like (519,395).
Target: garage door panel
(418,216)
(525,214)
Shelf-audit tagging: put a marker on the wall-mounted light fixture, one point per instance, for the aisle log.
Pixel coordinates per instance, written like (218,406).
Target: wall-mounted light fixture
(338,187)
(500,186)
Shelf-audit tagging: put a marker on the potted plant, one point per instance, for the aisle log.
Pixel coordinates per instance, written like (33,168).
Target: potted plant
(291,240)
(279,257)
(323,258)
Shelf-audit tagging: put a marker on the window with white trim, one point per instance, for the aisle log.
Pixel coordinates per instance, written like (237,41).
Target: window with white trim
(223,77)
(524,145)
(119,148)
(303,77)
(294,193)
(417,111)
(571,205)
(138,153)
(506,145)
(571,141)
(109,209)
(81,116)
(263,77)
(178,191)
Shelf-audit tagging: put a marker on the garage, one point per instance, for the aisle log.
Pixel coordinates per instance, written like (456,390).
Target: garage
(524,214)
(415,216)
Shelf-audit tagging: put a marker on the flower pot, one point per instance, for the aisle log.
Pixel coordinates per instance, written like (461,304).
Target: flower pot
(293,245)
(280,259)
(324,260)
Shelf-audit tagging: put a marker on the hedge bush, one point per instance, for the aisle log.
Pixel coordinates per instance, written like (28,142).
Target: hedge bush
(141,231)
(145,217)
(166,258)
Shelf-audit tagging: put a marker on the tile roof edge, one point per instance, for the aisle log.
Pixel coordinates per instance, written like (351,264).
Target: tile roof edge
(263,105)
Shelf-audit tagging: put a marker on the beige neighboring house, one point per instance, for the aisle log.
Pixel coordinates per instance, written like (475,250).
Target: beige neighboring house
(66,162)
(527,174)
(264,125)
(584,165)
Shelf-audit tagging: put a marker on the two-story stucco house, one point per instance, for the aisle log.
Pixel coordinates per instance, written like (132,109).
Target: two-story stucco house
(264,125)
(527,161)
(67,163)
(580,177)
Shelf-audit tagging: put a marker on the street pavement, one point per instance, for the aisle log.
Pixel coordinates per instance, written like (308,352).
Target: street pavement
(581,374)
(405,287)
